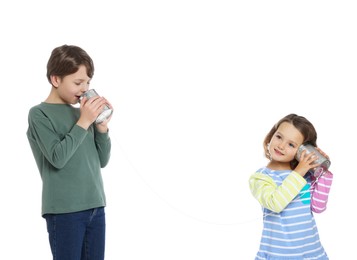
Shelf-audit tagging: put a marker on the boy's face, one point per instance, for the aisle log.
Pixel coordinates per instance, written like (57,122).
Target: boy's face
(72,86)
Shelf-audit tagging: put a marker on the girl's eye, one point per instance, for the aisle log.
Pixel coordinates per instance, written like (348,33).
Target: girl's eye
(278,136)
(292,145)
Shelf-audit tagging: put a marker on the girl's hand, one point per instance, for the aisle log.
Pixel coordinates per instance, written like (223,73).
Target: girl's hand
(306,163)
(322,152)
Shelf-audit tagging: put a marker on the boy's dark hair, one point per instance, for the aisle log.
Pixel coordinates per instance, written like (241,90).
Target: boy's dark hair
(66,59)
(304,126)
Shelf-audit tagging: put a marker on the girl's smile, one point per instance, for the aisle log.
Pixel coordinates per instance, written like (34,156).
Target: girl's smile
(278,152)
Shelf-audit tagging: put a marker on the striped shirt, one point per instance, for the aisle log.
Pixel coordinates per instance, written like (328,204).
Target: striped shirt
(288,200)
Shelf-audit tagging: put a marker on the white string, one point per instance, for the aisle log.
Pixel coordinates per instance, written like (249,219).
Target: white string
(174,207)
(185,213)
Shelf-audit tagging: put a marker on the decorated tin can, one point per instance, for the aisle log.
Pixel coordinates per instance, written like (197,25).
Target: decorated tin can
(321,160)
(107,111)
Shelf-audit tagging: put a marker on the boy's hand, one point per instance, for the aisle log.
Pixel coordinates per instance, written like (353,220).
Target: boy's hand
(103,126)
(90,109)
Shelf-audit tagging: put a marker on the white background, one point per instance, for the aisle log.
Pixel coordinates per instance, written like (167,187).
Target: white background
(196,86)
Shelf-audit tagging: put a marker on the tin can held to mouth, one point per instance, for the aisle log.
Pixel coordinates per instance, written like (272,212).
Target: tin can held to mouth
(107,111)
(322,160)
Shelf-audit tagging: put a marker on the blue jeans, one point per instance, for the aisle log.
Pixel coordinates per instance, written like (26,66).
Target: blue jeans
(78,235)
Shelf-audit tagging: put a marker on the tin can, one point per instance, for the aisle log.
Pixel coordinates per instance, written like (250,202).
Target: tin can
(107,111)
(323,162)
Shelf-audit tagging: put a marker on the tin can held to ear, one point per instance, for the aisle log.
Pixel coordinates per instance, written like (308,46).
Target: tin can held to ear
(107,111)
(322,160)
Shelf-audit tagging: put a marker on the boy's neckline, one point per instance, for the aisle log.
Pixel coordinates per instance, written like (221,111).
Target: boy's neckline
(47,103)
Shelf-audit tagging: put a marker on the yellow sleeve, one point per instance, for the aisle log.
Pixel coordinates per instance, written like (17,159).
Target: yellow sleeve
(274,197)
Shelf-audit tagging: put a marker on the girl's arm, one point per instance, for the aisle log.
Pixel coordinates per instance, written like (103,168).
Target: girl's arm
(274,197)
(320,190)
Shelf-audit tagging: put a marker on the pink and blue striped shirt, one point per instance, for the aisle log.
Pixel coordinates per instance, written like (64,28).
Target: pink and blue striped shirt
(288,201)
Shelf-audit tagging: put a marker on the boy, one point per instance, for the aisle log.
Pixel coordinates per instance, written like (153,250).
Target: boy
(70,150)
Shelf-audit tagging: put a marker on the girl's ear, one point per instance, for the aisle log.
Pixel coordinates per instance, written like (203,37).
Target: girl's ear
(55,80)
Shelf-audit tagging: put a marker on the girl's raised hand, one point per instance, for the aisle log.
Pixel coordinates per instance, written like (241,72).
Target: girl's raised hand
(306,163)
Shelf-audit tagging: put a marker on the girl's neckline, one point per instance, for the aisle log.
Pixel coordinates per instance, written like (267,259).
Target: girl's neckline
(277,170)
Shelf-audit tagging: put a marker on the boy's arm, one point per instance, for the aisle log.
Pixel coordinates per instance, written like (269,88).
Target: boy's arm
(103,145)
(274,197)
(57,150)
(320,190)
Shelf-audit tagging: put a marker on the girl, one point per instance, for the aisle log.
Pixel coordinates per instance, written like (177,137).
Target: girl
(289,193)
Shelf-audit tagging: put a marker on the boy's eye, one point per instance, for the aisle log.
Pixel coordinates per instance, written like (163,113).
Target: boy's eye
(82,83)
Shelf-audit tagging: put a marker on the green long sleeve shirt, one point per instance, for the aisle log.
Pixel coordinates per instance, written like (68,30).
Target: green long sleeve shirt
(69,158)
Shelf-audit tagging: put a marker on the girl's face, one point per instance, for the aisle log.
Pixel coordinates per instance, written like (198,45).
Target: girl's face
(285,143)
(72,86)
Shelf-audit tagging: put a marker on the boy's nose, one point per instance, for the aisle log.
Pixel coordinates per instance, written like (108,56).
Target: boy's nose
(84,87)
